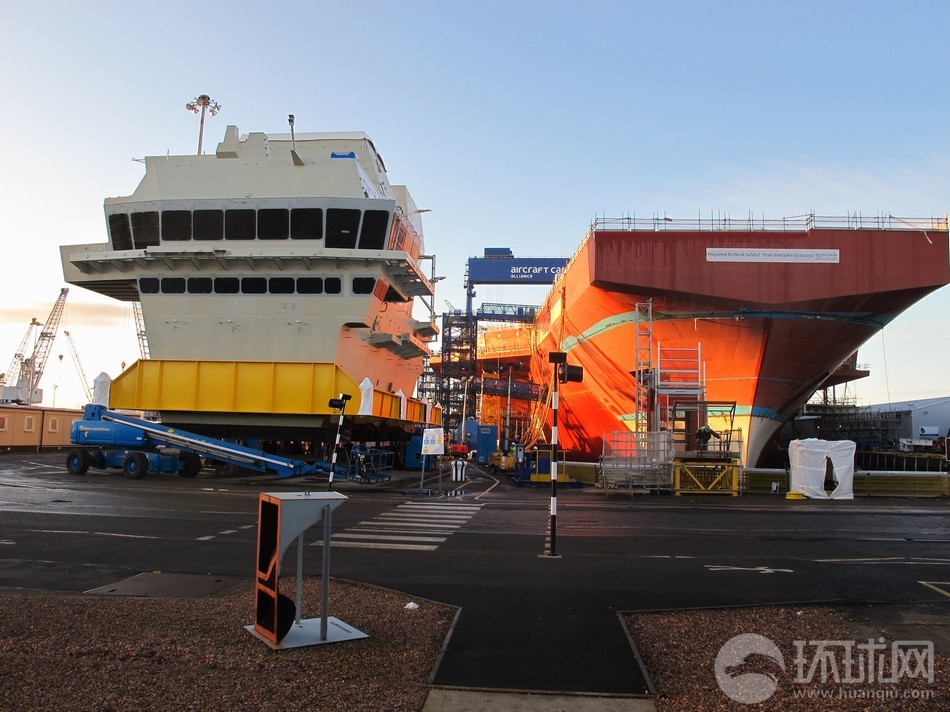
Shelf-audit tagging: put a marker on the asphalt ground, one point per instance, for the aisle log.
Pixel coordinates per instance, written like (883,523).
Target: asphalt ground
(529,621)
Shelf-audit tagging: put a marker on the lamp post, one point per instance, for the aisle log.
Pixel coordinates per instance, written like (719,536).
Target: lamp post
(340,405)
(465,382)
(201,103)
(508,409)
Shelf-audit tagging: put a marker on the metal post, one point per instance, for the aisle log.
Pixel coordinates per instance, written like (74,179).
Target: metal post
(325,601)
(299,576)
(340,405)
(336,447)
(464,406)
(422,473)
(508,410)
(201,127)
(554,404)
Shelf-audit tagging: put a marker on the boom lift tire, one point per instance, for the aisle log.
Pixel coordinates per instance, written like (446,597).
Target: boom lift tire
(190,464)
(77,462)
(135,465)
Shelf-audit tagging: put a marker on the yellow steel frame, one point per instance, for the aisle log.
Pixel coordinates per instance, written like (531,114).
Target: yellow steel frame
(706,477)
(250,387)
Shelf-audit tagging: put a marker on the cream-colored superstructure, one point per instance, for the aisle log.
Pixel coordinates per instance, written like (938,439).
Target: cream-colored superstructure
(273,250)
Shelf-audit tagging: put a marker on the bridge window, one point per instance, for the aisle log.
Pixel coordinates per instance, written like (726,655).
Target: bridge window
(254,285)
(176,225)
(199,285)
(281,285)
(273,223)
(120,231)
(373,231)
(342,226)
(306,224)
(173,285)
(227,285)
(149,285)
(310,285)
(240,224)
(333,285)
(208,225)
(364,285)
(145,229)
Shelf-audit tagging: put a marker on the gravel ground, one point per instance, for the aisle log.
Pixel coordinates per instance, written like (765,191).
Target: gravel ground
(73,652)
(680,651)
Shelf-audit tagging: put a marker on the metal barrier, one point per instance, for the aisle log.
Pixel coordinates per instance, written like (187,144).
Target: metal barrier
(637,461)
(866,484)
(706,476)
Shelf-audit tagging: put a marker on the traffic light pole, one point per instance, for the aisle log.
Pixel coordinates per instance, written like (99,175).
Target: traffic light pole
(554,403)
(337,404)
(557,360)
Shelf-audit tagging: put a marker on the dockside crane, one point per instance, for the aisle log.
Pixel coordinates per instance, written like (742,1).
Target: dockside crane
(13,373)
(87,389)
(29,369)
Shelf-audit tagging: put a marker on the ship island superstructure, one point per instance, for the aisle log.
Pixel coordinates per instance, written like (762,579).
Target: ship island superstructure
(273,275)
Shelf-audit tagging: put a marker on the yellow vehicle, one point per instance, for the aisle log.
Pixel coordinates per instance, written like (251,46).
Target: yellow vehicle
(501,462)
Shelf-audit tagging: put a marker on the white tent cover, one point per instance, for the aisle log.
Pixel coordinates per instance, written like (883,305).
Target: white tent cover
(807,459)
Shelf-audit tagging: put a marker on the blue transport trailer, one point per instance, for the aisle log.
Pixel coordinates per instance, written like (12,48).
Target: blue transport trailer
(107,439)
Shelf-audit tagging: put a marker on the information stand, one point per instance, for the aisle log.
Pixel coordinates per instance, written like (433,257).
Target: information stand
(283,517)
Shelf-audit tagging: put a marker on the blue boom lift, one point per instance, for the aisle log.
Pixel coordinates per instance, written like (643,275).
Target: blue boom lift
(109,439)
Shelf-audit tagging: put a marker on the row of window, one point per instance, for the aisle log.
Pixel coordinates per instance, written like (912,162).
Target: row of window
(29,424)
(346,228)
(254,285)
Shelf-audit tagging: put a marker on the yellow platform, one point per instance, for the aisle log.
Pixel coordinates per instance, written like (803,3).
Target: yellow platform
(269,387)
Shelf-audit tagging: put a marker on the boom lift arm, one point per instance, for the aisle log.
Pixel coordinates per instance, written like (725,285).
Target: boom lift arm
(114,439)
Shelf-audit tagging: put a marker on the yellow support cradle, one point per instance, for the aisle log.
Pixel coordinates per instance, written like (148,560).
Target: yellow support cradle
(706,476)
(260,387)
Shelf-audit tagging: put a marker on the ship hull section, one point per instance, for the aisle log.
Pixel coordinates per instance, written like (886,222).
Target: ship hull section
(769,330)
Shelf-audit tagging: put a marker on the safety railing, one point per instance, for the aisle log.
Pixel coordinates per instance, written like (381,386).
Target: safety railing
(790,223)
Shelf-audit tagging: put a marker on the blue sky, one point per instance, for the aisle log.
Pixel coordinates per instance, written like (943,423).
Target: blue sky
(515,123)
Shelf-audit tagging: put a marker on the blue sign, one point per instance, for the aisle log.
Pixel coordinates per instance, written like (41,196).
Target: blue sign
(508,270)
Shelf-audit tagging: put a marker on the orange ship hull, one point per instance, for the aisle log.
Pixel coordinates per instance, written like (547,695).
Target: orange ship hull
(773,313)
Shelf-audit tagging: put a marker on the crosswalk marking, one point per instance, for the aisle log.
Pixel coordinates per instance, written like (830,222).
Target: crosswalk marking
(412,526)
(391,537)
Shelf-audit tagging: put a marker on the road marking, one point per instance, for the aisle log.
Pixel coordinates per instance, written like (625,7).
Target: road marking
(664,556)
(426,516)
(936,586)
(380,545)
(89,533)
(907,560)
(408,522)
(759,569)
(390,537)
(6,542)
(411,526)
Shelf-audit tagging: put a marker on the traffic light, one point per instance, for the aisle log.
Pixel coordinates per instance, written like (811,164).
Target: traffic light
(339,403)
(567,373)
